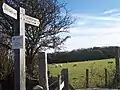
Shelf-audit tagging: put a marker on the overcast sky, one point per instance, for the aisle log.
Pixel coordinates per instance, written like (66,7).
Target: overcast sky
(97,24)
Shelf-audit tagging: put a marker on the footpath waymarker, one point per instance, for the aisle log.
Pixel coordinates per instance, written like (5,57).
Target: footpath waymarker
(18,42)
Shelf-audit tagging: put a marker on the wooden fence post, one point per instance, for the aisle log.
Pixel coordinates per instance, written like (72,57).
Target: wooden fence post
(0,87)
(64,75)
(106,78)
(117,60)
(43,74)
(48,73)
(87,78)
(59,81)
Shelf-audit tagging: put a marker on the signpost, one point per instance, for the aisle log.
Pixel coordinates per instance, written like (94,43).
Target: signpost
(9,11)
(31,20)
(18,42)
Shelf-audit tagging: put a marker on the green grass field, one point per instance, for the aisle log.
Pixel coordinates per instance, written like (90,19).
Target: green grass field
(77,74)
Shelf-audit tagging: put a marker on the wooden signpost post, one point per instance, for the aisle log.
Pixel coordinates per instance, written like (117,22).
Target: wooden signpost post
(18,42)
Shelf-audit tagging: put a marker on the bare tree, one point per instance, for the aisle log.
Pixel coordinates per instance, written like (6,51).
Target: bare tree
(54,21)
(6,62)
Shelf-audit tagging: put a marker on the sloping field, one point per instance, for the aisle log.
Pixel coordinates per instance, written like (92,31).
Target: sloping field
(77,72)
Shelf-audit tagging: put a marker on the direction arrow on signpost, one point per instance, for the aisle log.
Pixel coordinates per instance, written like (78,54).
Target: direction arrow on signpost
(9,11)
(13,13)
(31,20)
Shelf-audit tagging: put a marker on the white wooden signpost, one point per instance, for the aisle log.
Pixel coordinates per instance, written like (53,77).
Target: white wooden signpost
(31,20)
(9,11)
(18,42)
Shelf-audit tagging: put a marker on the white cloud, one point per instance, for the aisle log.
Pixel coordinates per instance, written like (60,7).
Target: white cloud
(94,31)
(106,32)
(91,41)
(111,11)
(94,17)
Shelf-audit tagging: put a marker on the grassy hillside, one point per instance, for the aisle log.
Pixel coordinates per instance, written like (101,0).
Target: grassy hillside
(77,74)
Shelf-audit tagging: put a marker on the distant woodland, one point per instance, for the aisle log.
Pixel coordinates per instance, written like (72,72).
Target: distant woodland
(95,53)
